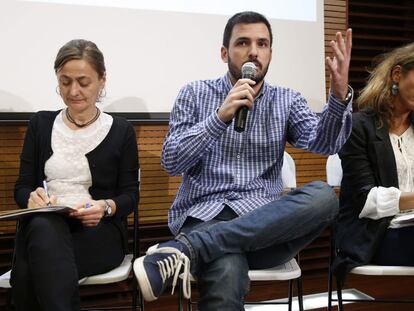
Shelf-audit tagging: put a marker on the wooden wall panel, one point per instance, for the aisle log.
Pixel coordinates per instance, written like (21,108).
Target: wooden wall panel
(11,142)
(157,188)
(335,20)
(378,27)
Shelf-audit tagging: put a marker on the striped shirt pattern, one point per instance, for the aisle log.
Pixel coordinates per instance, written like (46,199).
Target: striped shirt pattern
(220,166)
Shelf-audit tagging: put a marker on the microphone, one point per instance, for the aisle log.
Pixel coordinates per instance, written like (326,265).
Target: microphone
(248,72)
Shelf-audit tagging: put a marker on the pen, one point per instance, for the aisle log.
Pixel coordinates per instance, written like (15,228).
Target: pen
(47,193)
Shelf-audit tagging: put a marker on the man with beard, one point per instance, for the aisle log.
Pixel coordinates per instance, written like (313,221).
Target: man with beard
(229,215)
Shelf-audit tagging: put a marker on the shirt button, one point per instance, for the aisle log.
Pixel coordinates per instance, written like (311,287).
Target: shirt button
(226,201)
(238,156)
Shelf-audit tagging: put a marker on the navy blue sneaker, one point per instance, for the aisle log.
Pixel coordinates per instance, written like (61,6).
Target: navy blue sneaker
(160,267)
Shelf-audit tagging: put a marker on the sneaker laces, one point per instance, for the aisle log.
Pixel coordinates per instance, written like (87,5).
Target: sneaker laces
(171,266)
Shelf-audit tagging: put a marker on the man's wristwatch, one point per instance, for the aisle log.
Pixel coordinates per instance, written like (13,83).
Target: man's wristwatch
(347,98)
(107,209)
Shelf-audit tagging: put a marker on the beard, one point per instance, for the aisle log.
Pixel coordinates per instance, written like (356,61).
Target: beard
(236,72)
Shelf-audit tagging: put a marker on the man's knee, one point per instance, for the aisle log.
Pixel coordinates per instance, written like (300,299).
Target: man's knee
(323,199)
(320,186)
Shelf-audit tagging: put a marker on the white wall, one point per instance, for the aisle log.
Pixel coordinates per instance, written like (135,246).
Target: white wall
(149,53)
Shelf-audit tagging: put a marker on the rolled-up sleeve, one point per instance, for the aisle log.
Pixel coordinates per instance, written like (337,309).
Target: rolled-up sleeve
(381,202)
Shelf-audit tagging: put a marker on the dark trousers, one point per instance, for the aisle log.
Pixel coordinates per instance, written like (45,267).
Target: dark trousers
(52,252)
(396,248)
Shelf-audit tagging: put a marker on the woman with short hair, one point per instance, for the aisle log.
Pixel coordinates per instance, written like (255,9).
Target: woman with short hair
(88,161)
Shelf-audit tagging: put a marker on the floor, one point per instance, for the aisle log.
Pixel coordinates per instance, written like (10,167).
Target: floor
(314,290)
(316,299)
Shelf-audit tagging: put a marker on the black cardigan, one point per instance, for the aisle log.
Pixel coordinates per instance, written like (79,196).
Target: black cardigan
(367,161)
(113,165)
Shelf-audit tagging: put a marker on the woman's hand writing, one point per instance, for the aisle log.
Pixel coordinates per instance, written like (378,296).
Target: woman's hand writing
(39,198)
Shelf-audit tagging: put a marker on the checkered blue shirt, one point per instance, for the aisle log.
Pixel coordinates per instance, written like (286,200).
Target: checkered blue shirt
(242,170)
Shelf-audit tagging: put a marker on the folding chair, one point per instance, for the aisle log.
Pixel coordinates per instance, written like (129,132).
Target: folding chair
(5,280)
(334,177)
(117,274)
(286,272)
(120,273)
(5,283)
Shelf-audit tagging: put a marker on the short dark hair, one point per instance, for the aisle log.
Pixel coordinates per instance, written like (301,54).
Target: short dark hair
(81,49)
(247,17)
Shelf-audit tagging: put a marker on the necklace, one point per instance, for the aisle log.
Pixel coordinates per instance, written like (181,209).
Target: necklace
(71,120)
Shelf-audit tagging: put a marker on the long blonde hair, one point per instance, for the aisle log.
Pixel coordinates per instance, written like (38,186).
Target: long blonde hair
(377,93)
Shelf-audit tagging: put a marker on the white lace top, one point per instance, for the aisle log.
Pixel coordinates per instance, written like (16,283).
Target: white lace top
(67,171)
(383,202)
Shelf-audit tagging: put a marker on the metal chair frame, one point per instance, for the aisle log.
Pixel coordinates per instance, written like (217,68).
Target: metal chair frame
(289,301)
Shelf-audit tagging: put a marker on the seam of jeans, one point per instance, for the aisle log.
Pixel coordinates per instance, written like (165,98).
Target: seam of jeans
(181,237)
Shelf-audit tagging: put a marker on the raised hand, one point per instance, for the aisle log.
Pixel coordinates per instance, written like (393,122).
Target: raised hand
(338,66)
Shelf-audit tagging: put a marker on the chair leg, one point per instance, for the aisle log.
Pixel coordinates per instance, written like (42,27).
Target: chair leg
(330,290)
(339,294)
(180,297)
(189,301)
(141,301)
(189,305)
(9,301)
(300,293)
(330,274)
(134,294)
(290,293)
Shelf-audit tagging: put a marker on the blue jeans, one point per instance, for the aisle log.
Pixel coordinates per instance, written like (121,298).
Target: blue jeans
(223,249)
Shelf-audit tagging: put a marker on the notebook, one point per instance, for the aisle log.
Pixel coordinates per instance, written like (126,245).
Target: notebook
(21,213)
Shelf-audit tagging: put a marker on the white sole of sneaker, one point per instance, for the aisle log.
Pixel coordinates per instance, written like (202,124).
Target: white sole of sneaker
(144,283)
(152,249)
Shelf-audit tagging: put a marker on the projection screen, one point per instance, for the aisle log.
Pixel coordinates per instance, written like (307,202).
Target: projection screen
(151,48)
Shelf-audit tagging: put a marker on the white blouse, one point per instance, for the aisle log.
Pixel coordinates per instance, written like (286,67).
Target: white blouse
(67,171)
(383,202)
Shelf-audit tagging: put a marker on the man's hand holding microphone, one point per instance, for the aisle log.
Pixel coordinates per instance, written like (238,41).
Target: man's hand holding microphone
(240,98)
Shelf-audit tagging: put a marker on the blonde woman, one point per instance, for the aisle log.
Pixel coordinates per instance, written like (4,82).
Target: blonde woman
(378,170)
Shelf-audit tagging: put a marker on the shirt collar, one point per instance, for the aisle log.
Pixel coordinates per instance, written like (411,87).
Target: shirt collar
(226,83)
